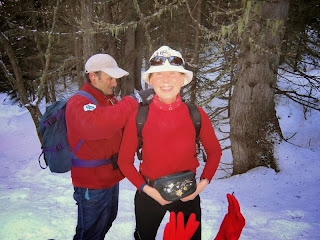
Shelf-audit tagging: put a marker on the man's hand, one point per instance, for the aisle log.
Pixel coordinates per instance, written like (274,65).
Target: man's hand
(232,223)
(144,96)
(175,229)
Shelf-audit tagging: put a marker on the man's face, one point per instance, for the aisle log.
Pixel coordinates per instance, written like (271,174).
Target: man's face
(167,85)
(103,82)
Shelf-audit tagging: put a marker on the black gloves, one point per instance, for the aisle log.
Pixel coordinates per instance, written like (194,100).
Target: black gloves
(144,96)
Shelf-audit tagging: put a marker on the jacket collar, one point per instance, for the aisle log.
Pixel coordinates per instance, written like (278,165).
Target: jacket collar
(164,106)
(95,92)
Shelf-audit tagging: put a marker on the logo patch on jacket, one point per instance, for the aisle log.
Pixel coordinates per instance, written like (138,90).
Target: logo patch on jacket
(89,107)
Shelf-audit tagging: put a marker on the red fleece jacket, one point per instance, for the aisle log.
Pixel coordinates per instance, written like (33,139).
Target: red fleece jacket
(101,129)
(168,143)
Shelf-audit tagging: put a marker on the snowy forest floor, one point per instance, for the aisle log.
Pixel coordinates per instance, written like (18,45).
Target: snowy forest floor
(37,204)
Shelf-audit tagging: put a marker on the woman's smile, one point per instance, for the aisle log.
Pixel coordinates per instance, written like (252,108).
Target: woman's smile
(166,88)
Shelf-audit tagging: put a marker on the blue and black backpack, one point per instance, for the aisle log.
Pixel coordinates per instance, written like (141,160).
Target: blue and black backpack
(55,146)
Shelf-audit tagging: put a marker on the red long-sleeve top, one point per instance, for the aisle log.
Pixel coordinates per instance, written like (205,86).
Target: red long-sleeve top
(101,129)
(168,143)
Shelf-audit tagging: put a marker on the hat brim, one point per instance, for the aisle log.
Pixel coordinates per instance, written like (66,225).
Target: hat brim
(115,72)
(188,75)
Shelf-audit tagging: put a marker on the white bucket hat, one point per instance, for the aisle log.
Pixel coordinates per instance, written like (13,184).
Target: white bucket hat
(105,63)
(166,51)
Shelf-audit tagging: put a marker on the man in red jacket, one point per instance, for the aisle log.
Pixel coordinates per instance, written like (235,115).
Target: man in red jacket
(95,132)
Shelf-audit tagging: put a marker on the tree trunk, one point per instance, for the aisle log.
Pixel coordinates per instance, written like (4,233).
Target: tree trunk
(52,88)
(128,83)
(110,41)
(44,76)
(142,39)
(131,50)
(195,62)
(89,43)
(41,52)
(253,122)
(78,58)
(139,56)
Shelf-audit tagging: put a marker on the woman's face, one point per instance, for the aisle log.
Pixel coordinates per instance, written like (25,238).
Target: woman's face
(167,85)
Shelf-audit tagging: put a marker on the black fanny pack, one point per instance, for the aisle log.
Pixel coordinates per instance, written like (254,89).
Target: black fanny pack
(175,186)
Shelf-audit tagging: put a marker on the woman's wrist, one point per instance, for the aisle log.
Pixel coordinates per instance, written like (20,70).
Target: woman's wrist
(202,184)
(205,179)
(146,188)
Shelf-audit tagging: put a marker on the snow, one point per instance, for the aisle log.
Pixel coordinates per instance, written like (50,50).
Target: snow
(37,204)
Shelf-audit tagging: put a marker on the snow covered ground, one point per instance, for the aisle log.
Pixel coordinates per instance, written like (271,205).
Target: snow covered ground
(37,204)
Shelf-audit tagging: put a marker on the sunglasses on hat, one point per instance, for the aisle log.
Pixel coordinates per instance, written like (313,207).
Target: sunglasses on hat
(160,60)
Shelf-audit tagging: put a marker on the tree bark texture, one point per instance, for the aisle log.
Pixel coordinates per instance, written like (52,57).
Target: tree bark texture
(195,58)
(78,58)
(40,50)
(44,77)
(89,40)
(132,52)
(127,83)
(253,121)
(110,41)
(138,61)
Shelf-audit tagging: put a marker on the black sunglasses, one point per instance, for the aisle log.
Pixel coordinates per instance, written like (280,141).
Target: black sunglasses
(160,60)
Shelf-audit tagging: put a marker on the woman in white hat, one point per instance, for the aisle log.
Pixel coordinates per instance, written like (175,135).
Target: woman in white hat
(165,180)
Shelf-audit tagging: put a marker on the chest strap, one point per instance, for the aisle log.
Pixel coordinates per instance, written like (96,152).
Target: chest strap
(77,162)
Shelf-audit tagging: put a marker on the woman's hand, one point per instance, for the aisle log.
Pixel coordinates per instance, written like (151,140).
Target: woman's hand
(152,192)
(200,186)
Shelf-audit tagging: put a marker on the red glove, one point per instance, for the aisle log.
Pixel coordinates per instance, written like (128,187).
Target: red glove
(232,223)
(175,230)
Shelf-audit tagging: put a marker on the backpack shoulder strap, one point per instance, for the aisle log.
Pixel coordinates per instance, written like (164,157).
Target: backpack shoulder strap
(141,119)
(87,95)
(196,118)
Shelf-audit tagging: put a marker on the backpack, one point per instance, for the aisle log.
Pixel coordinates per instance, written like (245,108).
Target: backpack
(53,130)
(142,118)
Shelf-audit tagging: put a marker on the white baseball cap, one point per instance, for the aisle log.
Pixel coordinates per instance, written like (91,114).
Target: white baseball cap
(105,63)
(166,52)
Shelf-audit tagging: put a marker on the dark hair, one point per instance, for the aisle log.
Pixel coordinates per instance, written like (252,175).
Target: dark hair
(87,76)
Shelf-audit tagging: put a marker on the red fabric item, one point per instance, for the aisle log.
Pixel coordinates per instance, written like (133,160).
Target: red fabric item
(175,229)
(101,129)
(168,143)
(233,222)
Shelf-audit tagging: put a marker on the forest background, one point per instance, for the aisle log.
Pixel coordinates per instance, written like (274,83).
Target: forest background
(241,53)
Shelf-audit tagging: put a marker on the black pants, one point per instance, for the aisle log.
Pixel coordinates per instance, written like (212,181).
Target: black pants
(149,214)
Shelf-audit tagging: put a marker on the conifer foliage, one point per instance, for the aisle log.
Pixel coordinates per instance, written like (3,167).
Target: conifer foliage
(238,50)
